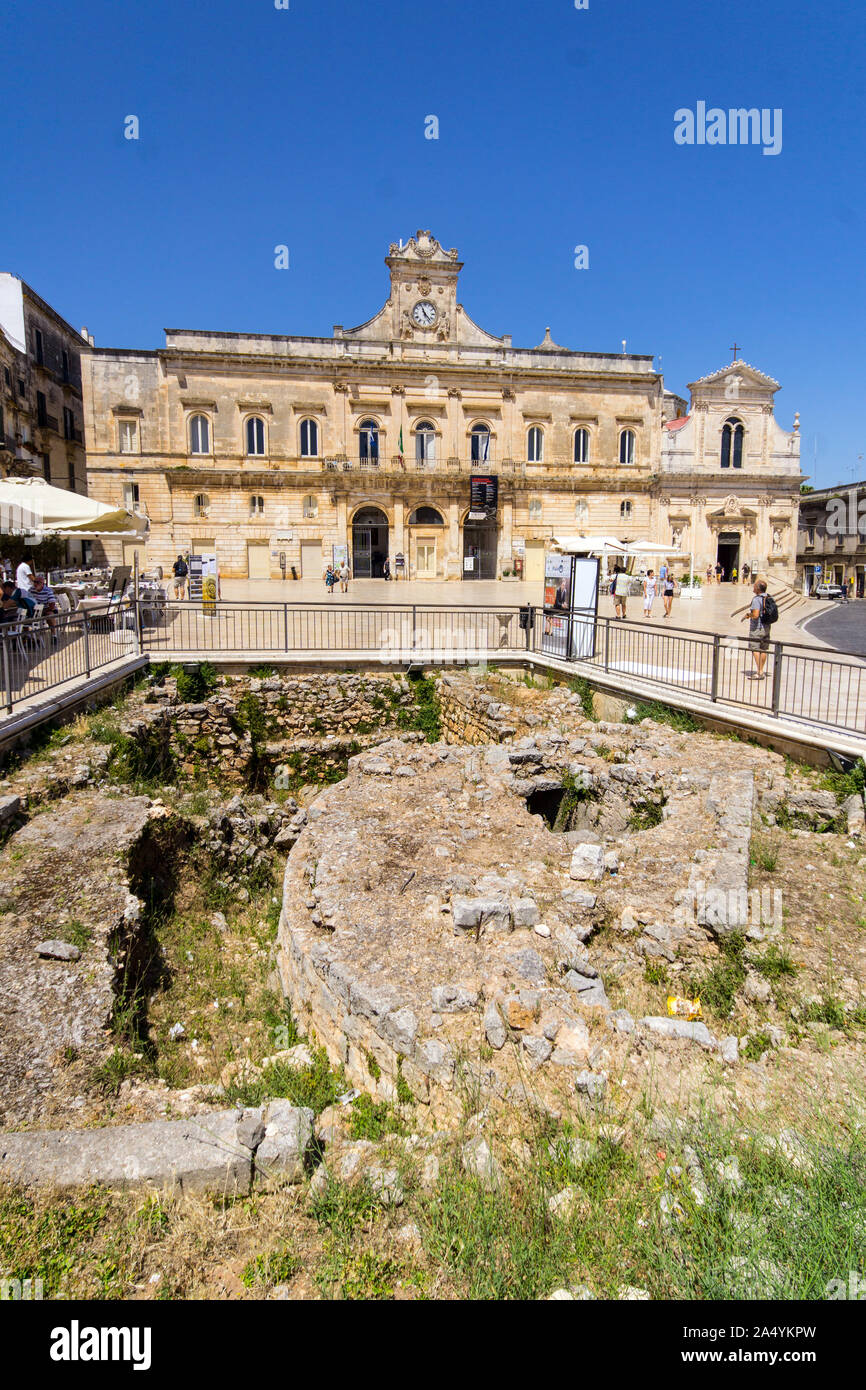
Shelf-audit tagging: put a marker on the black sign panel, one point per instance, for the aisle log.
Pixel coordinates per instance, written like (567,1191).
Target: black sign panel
(483,496)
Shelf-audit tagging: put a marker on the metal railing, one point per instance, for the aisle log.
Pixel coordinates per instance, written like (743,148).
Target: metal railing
(787,680)
(401,631)
(39,656)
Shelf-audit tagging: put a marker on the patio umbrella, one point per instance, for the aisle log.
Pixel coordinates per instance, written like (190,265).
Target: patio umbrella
(31,506)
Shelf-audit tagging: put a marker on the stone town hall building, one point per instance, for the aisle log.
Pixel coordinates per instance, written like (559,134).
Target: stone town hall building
(277,451)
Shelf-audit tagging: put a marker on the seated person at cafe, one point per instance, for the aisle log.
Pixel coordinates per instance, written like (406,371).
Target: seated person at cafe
(8,605)
(43,593)
(21,600)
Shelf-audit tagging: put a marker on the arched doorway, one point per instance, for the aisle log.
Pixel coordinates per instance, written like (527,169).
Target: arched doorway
(369,543)
(479,549)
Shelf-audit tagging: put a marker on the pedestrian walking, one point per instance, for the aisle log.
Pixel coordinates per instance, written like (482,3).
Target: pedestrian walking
(649,593)
(734,576)
(620,592)
(343,576)
(746,573)
(719,573)
(180,571)
(709,574)
(330,580)
(668,593)
(386,569)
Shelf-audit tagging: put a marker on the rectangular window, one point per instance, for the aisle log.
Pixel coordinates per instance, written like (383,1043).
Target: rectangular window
(130,496)
(22,388)
(128,437)
(65,365)
(68,423)
(41,408)
(46,467)
(7,377)
(40,348)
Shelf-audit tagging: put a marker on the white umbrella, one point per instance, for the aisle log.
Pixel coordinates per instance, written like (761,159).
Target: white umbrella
(590,545)
(31,506)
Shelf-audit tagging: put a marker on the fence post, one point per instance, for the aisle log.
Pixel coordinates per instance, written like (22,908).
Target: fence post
(87,645)
(139,626)
(530,627)
(714,688)
(607,644)
(414,617)
(777,675)
(286,626)
(7,675)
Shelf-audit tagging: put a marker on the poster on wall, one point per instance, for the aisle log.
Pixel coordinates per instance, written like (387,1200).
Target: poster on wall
(340,555)
(483,497)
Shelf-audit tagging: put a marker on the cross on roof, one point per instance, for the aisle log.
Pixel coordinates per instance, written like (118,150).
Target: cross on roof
(735,349)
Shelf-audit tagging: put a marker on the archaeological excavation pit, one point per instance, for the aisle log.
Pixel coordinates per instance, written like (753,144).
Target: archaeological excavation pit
(441,908)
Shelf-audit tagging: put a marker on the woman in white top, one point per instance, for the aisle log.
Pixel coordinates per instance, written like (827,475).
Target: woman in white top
(649,592)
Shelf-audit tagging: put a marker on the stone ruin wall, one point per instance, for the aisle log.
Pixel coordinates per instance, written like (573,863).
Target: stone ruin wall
(317,719)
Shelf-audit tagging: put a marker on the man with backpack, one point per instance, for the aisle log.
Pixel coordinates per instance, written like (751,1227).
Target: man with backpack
(762,613)
(180,571)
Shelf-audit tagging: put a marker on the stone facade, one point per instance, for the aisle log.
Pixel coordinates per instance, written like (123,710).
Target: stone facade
(831,545)
(279,452)
(730,477)
(41,427)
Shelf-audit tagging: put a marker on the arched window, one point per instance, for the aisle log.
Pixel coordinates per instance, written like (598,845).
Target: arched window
(257,505)
(535,509)
(733,434)
(581,511)
(255,435)
(368,441)
(534,444)
(426,516)
(200,504)
(425,442)
(625,509)
(479,446)
(626,446)
(199,435)
(581,446)
(311,507)
(309,439)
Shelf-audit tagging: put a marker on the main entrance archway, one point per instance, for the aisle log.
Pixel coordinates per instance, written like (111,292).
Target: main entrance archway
(369,543)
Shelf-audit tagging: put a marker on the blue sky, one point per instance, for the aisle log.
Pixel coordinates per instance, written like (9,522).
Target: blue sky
(305,127)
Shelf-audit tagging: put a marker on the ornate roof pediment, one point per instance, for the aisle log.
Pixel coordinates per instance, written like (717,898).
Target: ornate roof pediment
(748,378)
(424,249)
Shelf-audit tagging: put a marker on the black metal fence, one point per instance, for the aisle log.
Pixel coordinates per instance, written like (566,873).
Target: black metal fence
(786,679)
(39,656)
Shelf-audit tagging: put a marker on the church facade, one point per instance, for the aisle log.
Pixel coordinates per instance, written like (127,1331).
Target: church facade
(422,439)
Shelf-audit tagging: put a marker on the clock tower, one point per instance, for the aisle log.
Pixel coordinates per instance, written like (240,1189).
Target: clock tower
(423,290)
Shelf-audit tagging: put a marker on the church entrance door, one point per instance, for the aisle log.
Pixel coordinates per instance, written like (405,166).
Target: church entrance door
(729,553)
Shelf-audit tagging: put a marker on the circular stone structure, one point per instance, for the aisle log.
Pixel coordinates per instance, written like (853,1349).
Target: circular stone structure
(436,929)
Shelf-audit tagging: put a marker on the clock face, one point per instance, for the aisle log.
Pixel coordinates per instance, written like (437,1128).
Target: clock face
(424,313)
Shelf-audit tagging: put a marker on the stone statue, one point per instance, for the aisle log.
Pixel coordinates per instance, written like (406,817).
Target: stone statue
(777,540)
